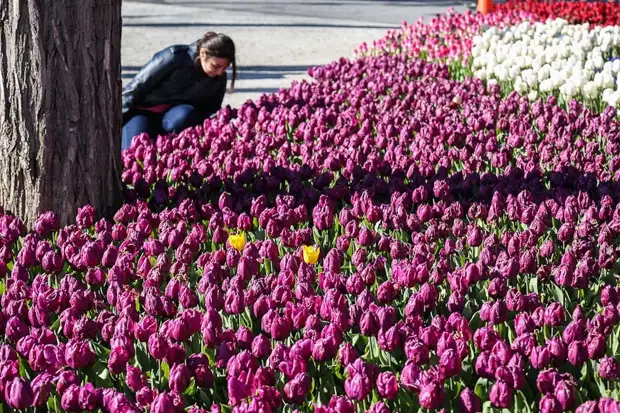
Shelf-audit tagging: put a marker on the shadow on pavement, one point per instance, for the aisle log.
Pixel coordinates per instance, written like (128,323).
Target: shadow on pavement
(274,25)
(245,72)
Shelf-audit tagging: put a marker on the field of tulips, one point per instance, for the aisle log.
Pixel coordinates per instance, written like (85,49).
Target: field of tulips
(605,13)
(554,57)
(394,236)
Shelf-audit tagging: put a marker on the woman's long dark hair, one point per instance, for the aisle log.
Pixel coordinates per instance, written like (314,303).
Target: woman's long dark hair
(219,45)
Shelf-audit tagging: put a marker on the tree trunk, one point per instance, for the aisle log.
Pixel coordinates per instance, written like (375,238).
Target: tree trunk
(60,99)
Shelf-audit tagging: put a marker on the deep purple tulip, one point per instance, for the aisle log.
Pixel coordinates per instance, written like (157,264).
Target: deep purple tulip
(65,379)
(163,403)
(432,395)
(387,385)
(135,379)
(501,395)
(78,354)
(577,353)
(469,402)
(565,394)
(609,368)
(18,393)
(89,397)
(549,404)
(70,400)
(180,376)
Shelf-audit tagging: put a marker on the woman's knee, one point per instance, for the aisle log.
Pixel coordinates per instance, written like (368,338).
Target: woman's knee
(180,117)
(135,126)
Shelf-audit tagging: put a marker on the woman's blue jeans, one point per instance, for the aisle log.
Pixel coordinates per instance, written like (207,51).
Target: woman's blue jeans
(174,120)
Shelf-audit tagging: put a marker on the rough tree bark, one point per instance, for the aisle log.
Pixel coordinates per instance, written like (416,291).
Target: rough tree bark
(60,118)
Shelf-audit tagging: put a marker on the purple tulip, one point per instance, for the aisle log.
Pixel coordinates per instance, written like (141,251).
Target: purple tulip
(469,402)
(78,354)
(157,346)
(18,394)
(163,403)
(89,397)
(501,395)
(609,368)
(554,315)
(296,390)
(549,404)
(596,346)
(387,385)
(65,379)
(577,353)
(432,395)
(135,379)
(540,357)
(565,394)
(587,407)
(180,376)
(145,396)
(70,400)
(449,364)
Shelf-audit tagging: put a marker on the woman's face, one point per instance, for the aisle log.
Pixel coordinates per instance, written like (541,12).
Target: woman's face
(213,66)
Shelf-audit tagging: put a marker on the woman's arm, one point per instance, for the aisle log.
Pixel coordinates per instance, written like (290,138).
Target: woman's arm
(215,101)
(149,76)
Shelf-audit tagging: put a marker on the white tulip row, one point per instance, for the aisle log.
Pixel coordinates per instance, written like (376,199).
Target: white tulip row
(553,57)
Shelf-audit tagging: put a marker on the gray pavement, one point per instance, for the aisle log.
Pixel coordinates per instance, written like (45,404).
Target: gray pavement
(277,41)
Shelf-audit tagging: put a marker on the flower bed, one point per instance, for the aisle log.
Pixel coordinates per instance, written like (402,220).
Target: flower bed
(382,239)
(554,57)
(605,13)
(447,37)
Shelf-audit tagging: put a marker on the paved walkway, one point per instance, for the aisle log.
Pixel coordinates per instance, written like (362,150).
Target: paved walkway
(276,40)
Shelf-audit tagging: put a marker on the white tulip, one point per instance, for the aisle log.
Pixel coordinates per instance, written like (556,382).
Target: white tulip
(590,90)
(613,99)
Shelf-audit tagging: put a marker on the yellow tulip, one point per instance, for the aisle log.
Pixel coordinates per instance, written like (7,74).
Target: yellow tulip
(311,254)
(237,241)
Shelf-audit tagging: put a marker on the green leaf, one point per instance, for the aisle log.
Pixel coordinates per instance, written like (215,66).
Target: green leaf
(534,284)
(55,325)
(144,362)
(2,289)
(487,407)
(482,388)
(615,342)
(191,389)
(559,294)
(165,368)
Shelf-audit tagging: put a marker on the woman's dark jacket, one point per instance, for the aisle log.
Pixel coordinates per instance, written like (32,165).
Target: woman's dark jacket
(173,77)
